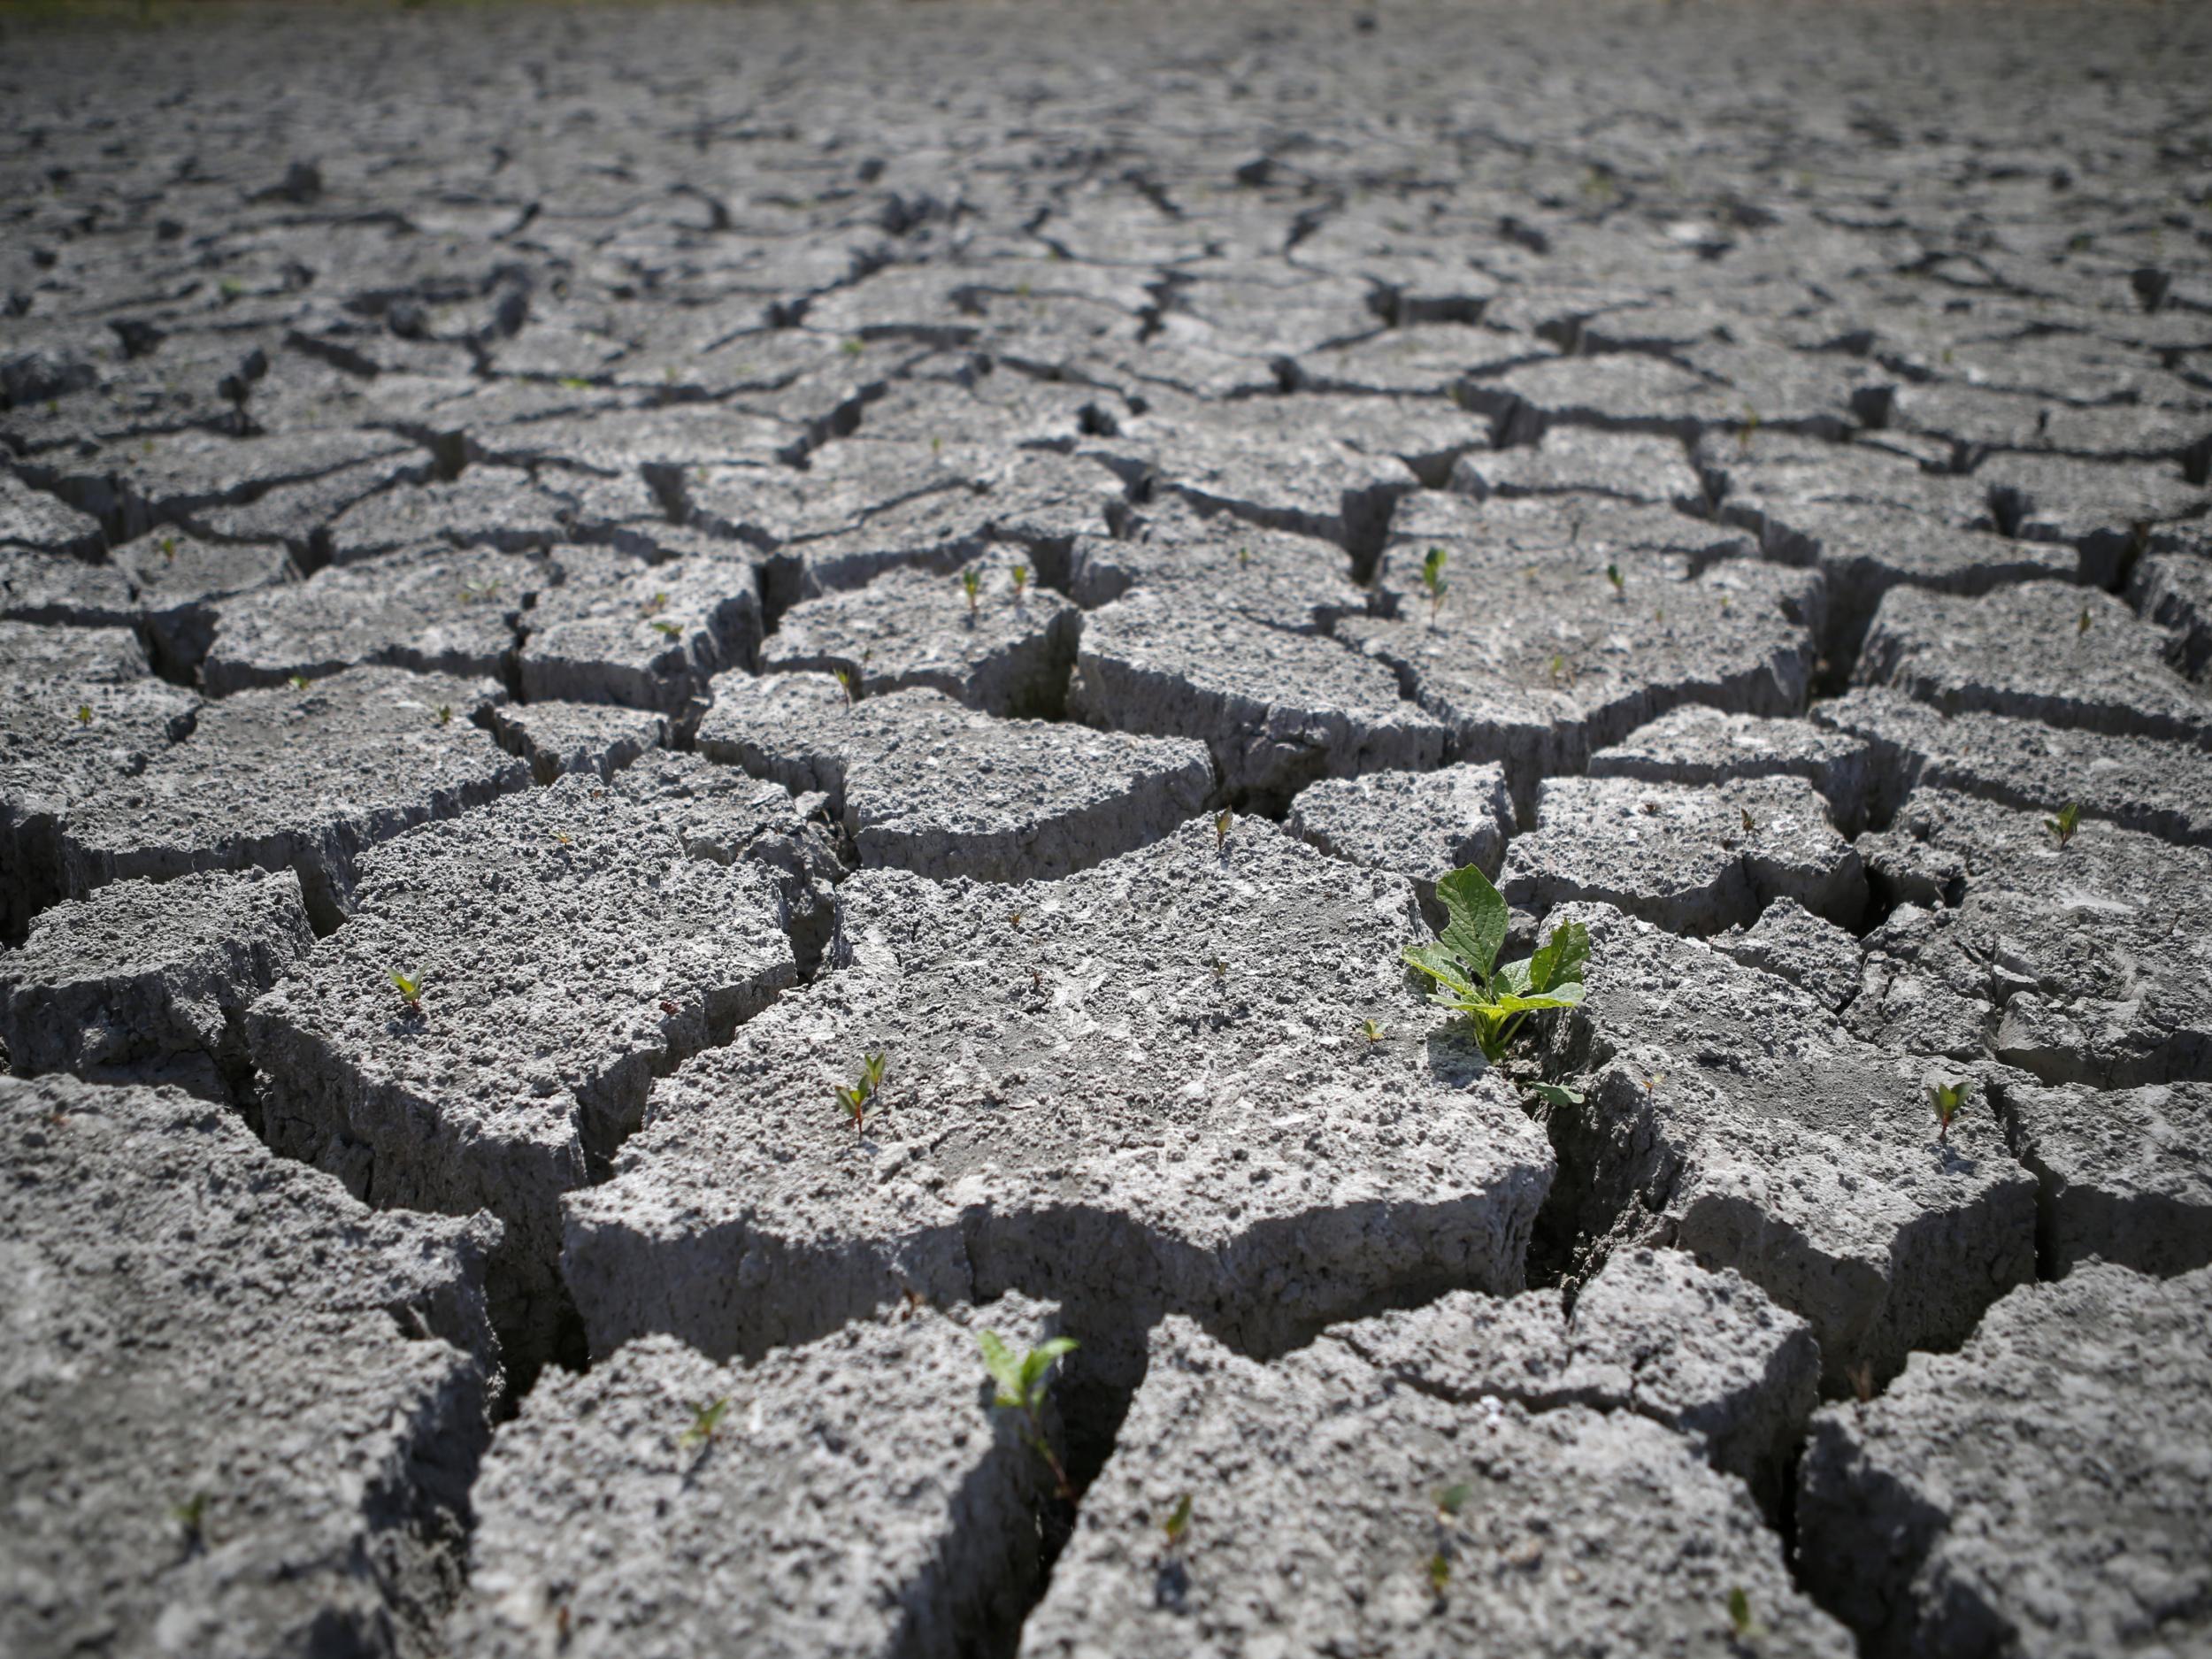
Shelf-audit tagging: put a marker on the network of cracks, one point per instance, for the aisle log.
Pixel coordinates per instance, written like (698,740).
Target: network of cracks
(707,707)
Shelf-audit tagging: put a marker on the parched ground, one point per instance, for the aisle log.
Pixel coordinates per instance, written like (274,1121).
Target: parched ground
(574,585)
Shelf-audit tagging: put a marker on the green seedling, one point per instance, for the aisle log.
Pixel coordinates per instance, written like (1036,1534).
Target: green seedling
(1439,1573)
(653,606)
(1433,579)
(852,686)
(1452,1500)
(470,595)
(84,714)
(1023,1383)
(445,714)
(169,550)
(855,1099)
(1947,1098)
(706,1422)
(1244,559)
(853,348)
(1557,1096)
(1222,820)
(1739,1619)
(2065,824)
(191,1519)
(1558,668)
(230,287)
(1746,432)
(936,445)
(668,376)
(1372,1030)
(669,630)
(871,1071)
(1462,962)
(1620,583)
(574,383)
(2082,627)
(1020,574)
(1221,972)
(298,682)
(972,585)
(409,990)
(1176,1523)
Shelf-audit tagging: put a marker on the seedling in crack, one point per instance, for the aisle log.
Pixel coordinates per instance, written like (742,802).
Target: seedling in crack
(2082,627)
(1223,821)
(468,596)
(410,989)
(669,630)
(1462,963)
(972,585)
(1023,1385)
(852,686)
(298,682)
(1739,1619)
(1439,1574)
(1620,583)
(856,1099)
(1947,1098)
(1176,1523)
(84,714)
(1020,575)
(191,1519)
(706,1422)
(2065,824)
(1372,1029)
(445,714)
(1433,579)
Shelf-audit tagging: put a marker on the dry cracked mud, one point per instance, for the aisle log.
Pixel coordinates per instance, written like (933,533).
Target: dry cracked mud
(713,717)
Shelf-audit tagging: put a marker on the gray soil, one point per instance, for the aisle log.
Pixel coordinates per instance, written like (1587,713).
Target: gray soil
(698,704)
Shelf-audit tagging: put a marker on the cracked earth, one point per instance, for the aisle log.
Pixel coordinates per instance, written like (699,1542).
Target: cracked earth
(567,578)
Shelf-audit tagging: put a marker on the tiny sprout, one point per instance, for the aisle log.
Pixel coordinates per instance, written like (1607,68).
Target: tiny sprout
(1558,667)
(1372,1029)
(230,287)
(1433,579)
(2082,627)
(298,682)
(84,714)
(191,1519)
(871,1071)
(972,585)
(1749,823)
(409,990)
(1947,1098)
(1020,573)
(1221,972)
(1015,920)
(936,444)
(1861,1378)
(852,686)
(169,548)
(1452,1499)
(1439,1573)
(1176,1523)
(1750,426)
(445,714)
(853,348)
(1223,819)
(855,1101)
(706,1422)
(1022,1385)
(2065,824)
(669,630)
(653,606)
(1620,584)
(1244,559)
(574,383)
(1739,1617)
(668,376)
(1557,1096)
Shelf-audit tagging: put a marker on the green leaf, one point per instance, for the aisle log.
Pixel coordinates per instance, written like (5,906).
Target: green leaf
(1037,1362)
(1560,959)
(1454,1498)
(1514,977)
(1005,1370)
(1555,1094)
(1566,996)
(1476,918)
(1438,961)
(1177,1521)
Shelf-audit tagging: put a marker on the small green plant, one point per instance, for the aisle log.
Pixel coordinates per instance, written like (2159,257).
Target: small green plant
(445,714)
(1947,1098)
(853,348)
(1620,583)
(1176,1522)
(857,1099)
(574,383)
(1462,962)
(1244,559)
(2065,824)
(1221,972)
(1739,1619)
(1452,1500)
(1223,822)
(298,682)
(653,606)
(1020,574)
(1557,1096)
(669,630)
(470,594)
(84,714)
(410,989)
(972,585)
(1748,430)
(1433,579)
(1439,1574)
(2082,627)
(191,1519)
(706,1422)
(1023,1383)
(1372,1030)
(852,686)
(169,550)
